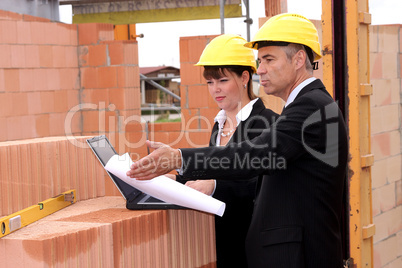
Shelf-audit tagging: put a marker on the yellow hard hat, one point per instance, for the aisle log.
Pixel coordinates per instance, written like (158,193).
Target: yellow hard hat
(291,28)
(227,49)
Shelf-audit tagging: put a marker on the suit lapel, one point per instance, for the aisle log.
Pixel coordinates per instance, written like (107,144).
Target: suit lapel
(316,84)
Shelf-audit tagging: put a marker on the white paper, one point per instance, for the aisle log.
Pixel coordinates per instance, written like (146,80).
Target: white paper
(165,189)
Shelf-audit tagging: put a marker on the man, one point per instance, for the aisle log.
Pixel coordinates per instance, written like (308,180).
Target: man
(303,156)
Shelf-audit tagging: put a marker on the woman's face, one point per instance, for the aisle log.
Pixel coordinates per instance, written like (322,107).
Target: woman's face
(228,91)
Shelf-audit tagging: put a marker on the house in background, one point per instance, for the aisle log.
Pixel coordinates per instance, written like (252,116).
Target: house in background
(167,77)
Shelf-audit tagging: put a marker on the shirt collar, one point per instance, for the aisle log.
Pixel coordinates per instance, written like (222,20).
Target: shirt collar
(242,115)
(297,90)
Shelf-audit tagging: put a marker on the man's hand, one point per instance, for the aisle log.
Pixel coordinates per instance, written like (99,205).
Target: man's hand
(161,161)
(204,186)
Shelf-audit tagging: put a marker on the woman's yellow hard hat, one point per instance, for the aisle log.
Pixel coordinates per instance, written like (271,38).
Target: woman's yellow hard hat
(291,28)
(227,49)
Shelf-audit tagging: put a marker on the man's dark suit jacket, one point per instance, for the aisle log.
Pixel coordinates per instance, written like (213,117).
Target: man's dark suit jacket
(239,195)
(303,157)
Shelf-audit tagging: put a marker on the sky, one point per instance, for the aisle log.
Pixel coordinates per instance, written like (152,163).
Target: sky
(160,44)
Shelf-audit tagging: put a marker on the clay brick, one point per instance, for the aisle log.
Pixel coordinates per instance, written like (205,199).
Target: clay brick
(68,78)
(12,80)
(107,77)
(38,32)
(60,102)
(6,105)
(376,63)
(40,79)
(388,38)
(24,32)
(125,98)
(159,137)
(387,224)
(53,79)
(197,97)
(25,172)
(8,31)
(51,34)
(2,89)
(87,34)
(168,126)
(385,251)
(48,179)
(56,121)
(130,53)
(190,119)
(15,183)
(47,100)
(5,55)
(18,56)
(207,118)
(394,168)
(92,33)
(3,130)
(384,118)
(197,138)
(26,80)
(83,56)
(42,125)
(90,121)
(116,52)
(128,76)
(7,15)
(97,55)
(376,201)
(381,92)
(398,190)
(34,18)
(196,46)
(190,74)
(389,65)
(19,103)
(71,56)
(387,197)
(15,128)
(5,169)
(108,121)
(59,56)
(89,77)
(95,96)
(177,140)
(381,145)
(28,124)
(36,171)
(379,177)
(46,56)
(184,50)
(374,39)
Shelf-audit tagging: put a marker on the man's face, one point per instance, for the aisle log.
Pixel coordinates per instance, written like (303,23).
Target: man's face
(277,72)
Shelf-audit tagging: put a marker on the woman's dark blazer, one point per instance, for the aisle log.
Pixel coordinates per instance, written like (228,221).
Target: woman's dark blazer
(231,229)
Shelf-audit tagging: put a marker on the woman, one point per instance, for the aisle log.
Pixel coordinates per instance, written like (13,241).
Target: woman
(228,70)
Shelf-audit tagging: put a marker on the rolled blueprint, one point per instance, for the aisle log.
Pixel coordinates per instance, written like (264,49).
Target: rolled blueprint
(165,189)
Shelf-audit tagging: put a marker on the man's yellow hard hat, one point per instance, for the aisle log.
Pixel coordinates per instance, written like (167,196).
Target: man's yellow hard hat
(290,28)
(227,49)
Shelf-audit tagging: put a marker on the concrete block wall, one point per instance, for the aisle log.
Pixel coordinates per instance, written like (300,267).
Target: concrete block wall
(386,142)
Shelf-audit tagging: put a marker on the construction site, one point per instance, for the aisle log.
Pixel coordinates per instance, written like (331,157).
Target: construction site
(61,84)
